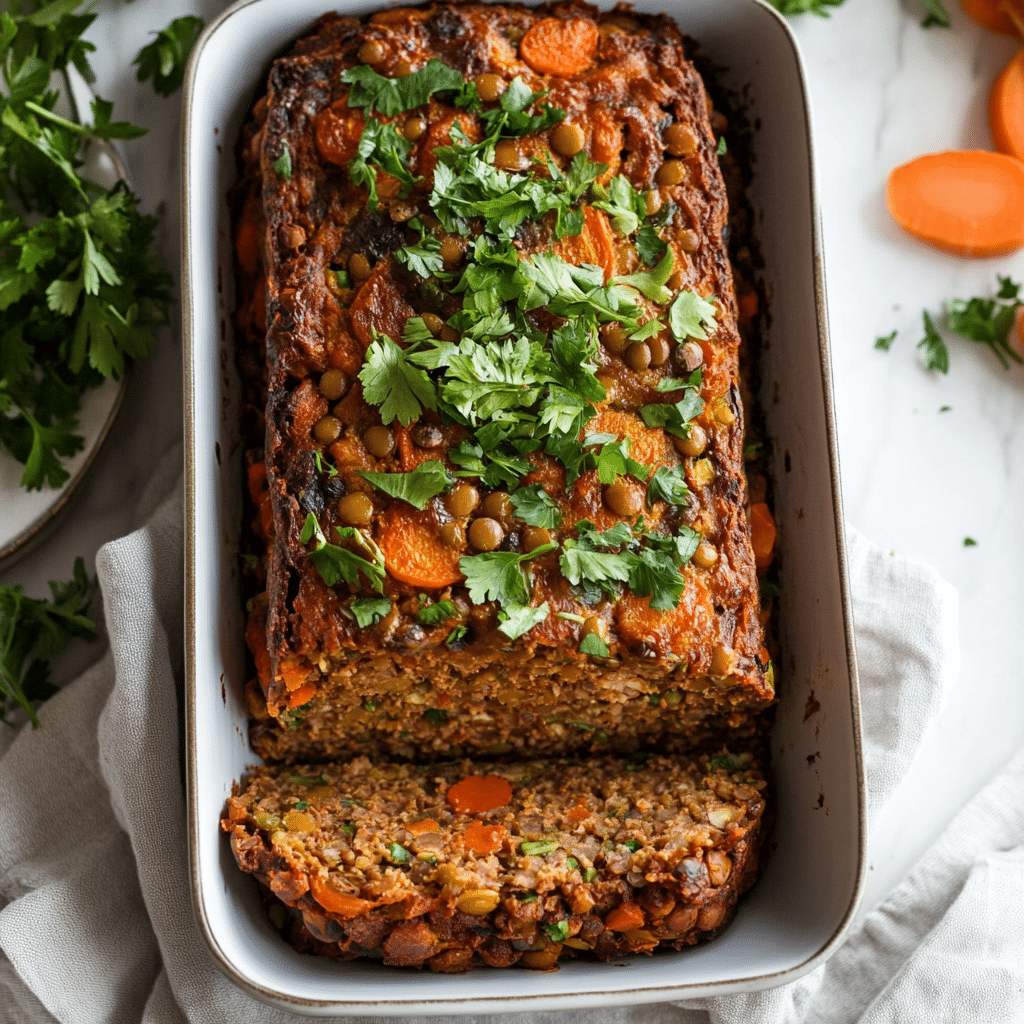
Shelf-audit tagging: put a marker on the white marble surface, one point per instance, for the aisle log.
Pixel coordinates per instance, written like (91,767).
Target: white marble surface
(915,480)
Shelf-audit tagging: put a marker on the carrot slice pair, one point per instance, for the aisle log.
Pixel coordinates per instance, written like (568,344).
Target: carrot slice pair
(969,203)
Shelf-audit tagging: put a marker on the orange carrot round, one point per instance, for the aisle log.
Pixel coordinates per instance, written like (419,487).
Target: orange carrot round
(762,534)
(419,828)
(989,14)
(560,46)
(483,839)
(476,794)
(340,903)
(1006,108)
(413,551)
(625,918)
(303,695)
(968,202)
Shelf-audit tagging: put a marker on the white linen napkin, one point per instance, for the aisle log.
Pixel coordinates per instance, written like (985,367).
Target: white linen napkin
(96,921)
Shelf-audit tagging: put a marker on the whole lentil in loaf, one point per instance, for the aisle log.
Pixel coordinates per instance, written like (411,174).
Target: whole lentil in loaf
(468,863)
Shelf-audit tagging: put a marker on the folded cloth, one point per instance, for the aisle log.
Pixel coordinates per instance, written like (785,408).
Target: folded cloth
(97,921)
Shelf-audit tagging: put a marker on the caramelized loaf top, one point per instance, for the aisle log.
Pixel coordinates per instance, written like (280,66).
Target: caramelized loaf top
(633,97)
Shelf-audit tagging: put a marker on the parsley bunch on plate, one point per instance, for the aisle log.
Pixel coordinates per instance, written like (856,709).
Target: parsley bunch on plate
(81,289)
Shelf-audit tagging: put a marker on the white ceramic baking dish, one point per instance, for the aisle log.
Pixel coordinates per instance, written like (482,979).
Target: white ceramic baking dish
(799,909)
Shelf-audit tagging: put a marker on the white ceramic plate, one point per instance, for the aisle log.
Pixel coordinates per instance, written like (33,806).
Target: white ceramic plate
(797,912)
(27,515)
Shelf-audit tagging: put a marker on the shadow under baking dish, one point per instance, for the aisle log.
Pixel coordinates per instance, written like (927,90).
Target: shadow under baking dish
(797,912)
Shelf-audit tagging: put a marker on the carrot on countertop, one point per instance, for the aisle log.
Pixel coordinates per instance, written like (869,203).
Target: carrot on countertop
(762,534)
(1006,108)
(990,14)
(413,551)
(483,839)
(560,46)
(340,903)
(594,245)
(477,794)
(966,202)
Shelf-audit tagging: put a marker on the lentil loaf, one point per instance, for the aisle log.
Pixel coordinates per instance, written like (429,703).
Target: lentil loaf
(503,475)
(464,864)
(488,332)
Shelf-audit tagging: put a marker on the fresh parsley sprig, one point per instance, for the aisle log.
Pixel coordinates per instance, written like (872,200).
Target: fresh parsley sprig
(335,563)
(32,631)
(80,287)
(498,576)
(989,321)
(416,487)
(164,59)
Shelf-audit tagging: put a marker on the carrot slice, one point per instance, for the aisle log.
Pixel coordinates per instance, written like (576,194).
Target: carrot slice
(595,244)
(560,46)
(413,551)
(989,14)
(483,839)
(303,695)
(625,918)
(1006,108)
(762,534)
(969,202)
(341,903)
(418,828)
(294,674)
(379,305)
(476,794)
(338,131)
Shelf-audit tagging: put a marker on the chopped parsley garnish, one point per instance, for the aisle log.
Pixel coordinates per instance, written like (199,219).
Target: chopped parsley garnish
(652,282)
(335,563)
(32,631)
(436,613)
(722,146)
(416,487)
(557,931)
(283,164)
(164,59)
(390,96)
(723,762)
(384,146)
(390,381)
(649,245)
(436,716)
(498,576)
(884,342)
(534,506)
(593,644)
(676,418)
(690,316)
(457,635)
(515,620)
(970,542)
(668,484)
(370,610)
(623,203)
(934,353)
(424,258)
(589,874)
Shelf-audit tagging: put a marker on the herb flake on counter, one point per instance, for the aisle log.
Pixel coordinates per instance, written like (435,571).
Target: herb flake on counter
(164,59)
(934,353)
(32,631)
(884,343)
(416,487)
(970,542)
(935,14)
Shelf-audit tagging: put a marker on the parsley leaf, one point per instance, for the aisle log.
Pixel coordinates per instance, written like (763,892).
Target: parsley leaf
(970,542)
(335,563)
(676,418)
(424,258)
(32,631)
(534,506)
(935,14)
(652,282)
(668,484)
(164,59)
(934,353)
(381,145)
(401,390)
(818,7)
(691,316)
(884,343)
(622,202)
(650,245)
(436,613)
(498,576)
(988,321)
(416,487)
(723,147)
(515,620)
(613,461)
(593,644)
(557,931)
(370,610)
(390,96)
